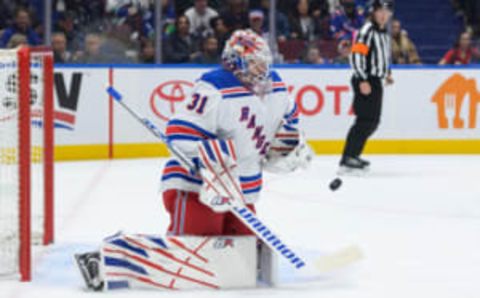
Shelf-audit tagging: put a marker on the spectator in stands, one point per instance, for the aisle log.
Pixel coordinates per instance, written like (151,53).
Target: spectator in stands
(133,20)
(303,25)
(236,14)
(88,14)
(66,23)
(220,31)
(403,49)
(282,26)
(92,52)
(361,4)
(21,25)
(147,52)
(473,18)
(199,16)
(346,20)
(321,15)
(255,21)
(181,46)
(462,53)
(17,40)
(470,10)
(320,8)
(210,53)
(344,50)
(7,10)
(333,5)
(312,56)
(59,47)
(183,5)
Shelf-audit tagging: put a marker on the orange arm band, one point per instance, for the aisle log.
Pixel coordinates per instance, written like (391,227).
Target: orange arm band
(360,48)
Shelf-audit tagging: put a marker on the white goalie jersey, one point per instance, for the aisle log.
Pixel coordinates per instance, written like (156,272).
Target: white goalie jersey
(220,107)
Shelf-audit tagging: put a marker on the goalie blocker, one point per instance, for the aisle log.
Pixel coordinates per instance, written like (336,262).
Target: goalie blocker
(177,263)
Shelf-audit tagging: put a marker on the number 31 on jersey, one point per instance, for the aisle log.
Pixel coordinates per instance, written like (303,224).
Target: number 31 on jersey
(198,103)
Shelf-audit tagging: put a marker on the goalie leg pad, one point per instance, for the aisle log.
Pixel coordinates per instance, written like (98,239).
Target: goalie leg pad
(175,263)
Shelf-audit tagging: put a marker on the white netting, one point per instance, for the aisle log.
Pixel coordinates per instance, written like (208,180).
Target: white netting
(9,158)
(37,137)
(9,180)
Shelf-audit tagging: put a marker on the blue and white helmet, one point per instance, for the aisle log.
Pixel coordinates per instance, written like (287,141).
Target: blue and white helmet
(242,48)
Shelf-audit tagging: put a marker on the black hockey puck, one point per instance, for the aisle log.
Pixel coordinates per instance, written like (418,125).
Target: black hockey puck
(335,184)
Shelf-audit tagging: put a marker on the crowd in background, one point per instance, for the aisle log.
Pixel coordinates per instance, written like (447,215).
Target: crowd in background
(194,31)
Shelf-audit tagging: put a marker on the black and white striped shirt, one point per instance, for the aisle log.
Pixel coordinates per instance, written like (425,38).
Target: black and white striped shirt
(371,52)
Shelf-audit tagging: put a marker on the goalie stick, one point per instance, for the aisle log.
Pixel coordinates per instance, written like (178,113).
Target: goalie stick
(239,209)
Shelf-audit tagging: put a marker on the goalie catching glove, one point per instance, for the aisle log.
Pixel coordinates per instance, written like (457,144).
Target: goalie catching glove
(288,152)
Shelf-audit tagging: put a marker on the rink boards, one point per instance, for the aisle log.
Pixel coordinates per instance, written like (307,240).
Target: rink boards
(427,110)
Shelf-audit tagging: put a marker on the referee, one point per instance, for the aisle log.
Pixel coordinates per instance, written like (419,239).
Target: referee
(370,60)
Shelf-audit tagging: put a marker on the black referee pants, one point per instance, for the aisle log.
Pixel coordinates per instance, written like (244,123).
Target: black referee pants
(367,109)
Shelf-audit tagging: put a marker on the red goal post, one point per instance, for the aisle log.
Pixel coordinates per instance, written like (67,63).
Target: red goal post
(26,156)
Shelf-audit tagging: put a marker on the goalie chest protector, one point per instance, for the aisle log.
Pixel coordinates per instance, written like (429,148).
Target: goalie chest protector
(221,107)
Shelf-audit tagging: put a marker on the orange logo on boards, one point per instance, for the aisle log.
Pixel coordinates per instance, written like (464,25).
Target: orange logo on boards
(451,97)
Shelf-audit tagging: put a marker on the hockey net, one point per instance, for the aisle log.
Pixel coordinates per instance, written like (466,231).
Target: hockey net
(26,156)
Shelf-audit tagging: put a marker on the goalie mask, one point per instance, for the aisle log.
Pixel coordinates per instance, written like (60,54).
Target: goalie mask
(248,56)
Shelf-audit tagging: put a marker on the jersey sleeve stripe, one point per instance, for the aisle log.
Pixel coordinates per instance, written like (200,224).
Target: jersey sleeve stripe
(187,128)
(293,116)
(182,176)
(180,137)
(173,169)
(251,191)
(245,179)
(177,169)
(175,130)
(251,184)
(281,89)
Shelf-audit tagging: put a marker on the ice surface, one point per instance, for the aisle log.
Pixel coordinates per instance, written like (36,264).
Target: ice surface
(417,219)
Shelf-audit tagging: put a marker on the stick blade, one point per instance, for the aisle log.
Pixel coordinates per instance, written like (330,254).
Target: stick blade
(338,260)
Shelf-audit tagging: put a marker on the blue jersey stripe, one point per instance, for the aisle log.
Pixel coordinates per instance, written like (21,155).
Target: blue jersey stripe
(183,137)
(236,95)
(253,190)
(292,112)
(191,125)
(172,163)
(245,179)
(182,176)
(281,89)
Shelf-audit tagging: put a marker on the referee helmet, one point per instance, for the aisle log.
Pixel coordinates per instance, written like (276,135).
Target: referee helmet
(378,4)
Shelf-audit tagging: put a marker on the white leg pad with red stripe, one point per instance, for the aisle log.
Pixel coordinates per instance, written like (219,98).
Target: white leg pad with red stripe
(176,263)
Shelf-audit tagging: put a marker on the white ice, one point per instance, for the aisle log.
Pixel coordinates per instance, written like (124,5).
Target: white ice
(416,218)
